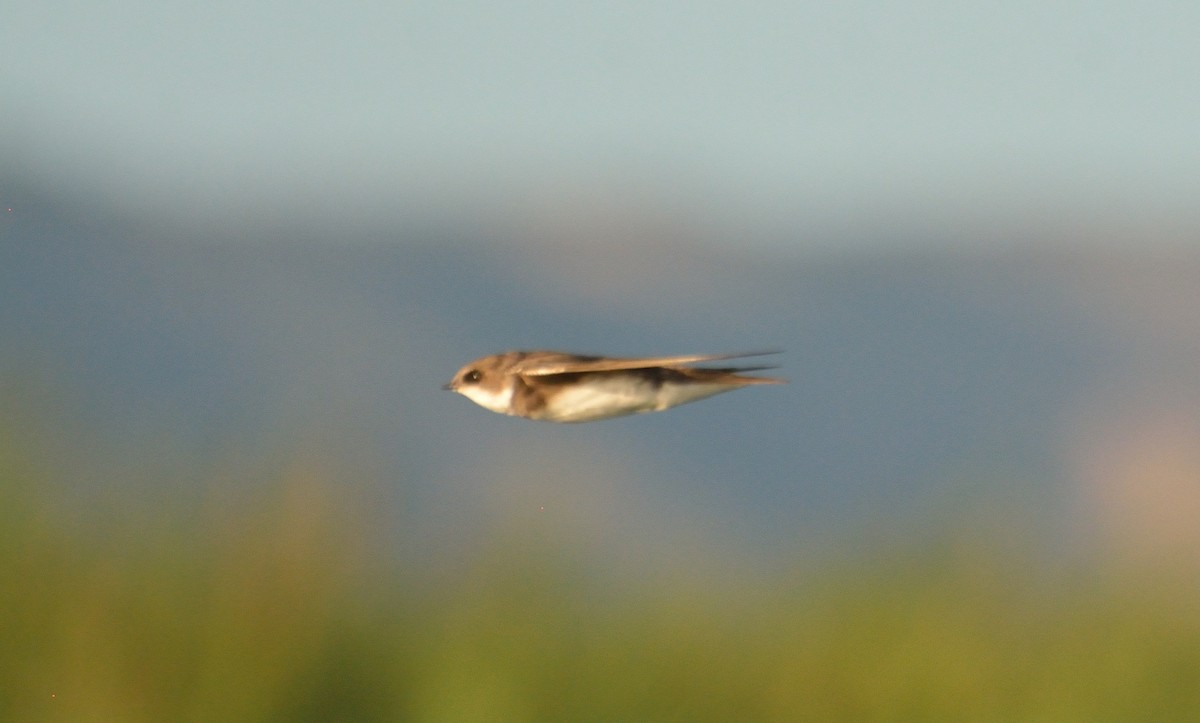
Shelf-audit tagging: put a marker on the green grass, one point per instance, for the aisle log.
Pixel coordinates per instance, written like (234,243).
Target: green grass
(274,606)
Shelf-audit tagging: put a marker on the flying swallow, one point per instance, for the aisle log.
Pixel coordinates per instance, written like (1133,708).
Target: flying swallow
(554,386)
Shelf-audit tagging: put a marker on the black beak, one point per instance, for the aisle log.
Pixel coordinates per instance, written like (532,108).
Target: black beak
(448,387)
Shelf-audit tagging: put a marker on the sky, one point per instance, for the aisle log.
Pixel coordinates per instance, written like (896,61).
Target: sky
(760,114)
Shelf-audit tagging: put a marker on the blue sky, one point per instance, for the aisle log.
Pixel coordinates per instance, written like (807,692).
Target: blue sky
(763,114)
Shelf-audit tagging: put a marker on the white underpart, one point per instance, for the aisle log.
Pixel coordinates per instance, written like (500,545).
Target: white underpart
(600,398)
(499,400)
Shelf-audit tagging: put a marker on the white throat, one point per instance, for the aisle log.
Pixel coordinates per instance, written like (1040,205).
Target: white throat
(496,400)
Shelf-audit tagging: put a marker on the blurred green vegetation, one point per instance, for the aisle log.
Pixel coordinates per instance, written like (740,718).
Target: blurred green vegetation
(262,599)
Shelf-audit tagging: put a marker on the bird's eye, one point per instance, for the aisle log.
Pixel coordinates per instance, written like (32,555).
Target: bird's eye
(471,377)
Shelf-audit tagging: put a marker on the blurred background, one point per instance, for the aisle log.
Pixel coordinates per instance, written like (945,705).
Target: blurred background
(242,244)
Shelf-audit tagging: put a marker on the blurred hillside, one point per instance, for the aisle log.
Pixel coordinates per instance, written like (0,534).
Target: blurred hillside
(926,385)
(233,490)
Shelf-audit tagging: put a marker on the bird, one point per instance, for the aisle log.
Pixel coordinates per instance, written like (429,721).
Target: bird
(552,386)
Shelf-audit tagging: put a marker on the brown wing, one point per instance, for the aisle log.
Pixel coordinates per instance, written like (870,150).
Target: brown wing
(554,363)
